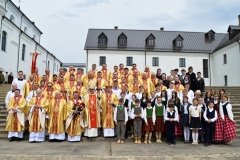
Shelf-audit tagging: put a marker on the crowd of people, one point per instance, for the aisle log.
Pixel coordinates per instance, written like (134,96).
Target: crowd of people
(6,78)
(145,104)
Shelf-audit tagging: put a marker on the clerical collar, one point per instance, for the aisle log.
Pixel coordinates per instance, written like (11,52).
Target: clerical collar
(20,79)
(12,90)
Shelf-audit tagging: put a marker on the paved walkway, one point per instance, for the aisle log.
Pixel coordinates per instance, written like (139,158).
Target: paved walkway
(108,149)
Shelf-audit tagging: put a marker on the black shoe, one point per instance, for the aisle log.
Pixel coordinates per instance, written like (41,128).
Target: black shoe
(206,145)
(169,143)
(19,139)
(174,143)
(11,139)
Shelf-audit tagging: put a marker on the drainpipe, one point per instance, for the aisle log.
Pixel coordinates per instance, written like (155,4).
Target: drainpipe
(46,60)
(53,64)
(19,41)
(1,23)
(145,58)
(87,63)
(209,64)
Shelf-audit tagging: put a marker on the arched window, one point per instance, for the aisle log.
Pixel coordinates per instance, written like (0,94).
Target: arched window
(34,37)
(4,41)
(12,18)
(25,29)
(23,51)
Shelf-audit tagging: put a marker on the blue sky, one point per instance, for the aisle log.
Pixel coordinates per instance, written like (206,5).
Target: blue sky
(65,23)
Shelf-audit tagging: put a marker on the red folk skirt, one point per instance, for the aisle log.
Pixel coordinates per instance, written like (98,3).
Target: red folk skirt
(178,127)
(159,124)
(229,129)
(149,127)
(218,135)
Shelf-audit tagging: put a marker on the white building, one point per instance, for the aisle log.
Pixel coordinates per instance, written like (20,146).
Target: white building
(19,38)
(215,55)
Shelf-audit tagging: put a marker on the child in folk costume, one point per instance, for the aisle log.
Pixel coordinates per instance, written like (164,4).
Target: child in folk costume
(120,119)
(185,118)
(195,120)
(229,125)
(218,135)
(132,105)
(203,108)
(171,117)
(159,124)
(137,116)
(178,129)
(210,117)
(149,118)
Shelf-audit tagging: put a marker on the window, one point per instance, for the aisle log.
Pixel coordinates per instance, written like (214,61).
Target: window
(179,44)
(182,62)
(122,40)
(23,51)
(34,37)
(150,42)
(4,41)
(129,61)
(102,40)
(205,68)
(48,64)
(155,61)
(225,80)
(25,29)
(102,60)
(224,59)
(12,18)
(211,36)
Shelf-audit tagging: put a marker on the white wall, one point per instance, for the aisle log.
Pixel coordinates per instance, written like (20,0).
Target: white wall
(231,69)
(167,60)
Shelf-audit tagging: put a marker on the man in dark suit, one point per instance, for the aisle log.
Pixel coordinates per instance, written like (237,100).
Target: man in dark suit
(181,78)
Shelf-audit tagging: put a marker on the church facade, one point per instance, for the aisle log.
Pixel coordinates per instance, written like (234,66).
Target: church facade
(215,55)
(19,38)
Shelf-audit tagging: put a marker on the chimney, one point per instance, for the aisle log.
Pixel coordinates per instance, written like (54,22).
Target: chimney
(115,27)
(161,29)
(239,20)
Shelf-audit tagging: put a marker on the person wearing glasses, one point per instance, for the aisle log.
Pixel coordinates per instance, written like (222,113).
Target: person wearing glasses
(49,92)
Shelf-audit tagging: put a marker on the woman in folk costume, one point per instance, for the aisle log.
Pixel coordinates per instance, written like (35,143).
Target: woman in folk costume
(92,111)
(57,114)
(75,123)
(218,135)
(108,101)
(159,125)
(16,117)
(39,107)
(132,105)
(177,103)
(229,125)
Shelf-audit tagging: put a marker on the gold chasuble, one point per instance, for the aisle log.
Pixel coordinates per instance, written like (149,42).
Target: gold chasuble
(154,81)
(82,91)
(101,83)
(87,80)
(106,74)
(49,94)
(49,78)
(107,109)
(28,87)
(178,87)
(37,118)
(15,120)
(61,86)
(37,78)
(92,111)
(69,86)
(57,114)
(148,86)
(74,121)
(134,88)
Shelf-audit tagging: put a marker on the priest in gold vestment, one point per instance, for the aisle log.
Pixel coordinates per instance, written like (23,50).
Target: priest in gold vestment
(109,100)
(75,122)
(28,86)
(16,117)
(38,108)
(57,115)
(92,111)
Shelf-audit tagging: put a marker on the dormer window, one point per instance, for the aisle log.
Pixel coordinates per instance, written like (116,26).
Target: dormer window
(233,31)
(122,40)
(150,41)
(210,35)
(178,42)
(102,40)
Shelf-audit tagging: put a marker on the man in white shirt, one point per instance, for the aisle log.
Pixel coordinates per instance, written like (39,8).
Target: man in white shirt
(19,81)
(139,94)
(6,78)
(128,94)
(11,94)
(32,93)
(116,90)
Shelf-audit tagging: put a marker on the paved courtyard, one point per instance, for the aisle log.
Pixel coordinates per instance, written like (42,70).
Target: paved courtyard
(108,149)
